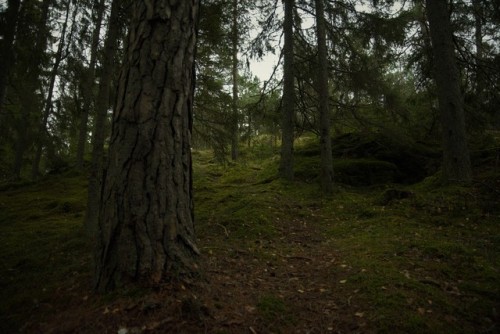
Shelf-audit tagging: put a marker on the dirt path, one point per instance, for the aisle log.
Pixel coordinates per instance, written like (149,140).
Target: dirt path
(287,284)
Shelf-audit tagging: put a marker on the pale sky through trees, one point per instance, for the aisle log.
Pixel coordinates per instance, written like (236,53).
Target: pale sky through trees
(264,68)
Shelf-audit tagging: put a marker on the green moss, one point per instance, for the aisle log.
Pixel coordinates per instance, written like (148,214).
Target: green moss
(41,244)
(426,263)
(273,309)
(362,172)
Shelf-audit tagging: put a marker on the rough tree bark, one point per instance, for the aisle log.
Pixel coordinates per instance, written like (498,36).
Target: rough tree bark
(456,161)
(146,225)
(288,104)
(326,174)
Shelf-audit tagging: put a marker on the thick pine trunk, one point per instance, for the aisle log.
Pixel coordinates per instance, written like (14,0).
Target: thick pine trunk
(146,224)
(326,175)
(288,104)
(456,161)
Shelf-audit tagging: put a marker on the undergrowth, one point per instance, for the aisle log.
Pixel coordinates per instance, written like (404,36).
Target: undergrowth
(426,260)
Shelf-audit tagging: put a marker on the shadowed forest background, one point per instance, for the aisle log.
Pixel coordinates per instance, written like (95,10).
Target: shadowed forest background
(352,189)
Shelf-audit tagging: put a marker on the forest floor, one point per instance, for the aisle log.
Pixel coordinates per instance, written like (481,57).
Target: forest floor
(277,257)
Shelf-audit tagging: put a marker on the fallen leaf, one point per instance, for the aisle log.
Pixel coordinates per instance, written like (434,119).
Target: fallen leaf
(359,314)
(421,310)
(343,281)
(249,309)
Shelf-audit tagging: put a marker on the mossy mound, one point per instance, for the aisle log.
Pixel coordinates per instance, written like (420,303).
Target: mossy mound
(415,161)
(378,158)
(364,172)
(354,172)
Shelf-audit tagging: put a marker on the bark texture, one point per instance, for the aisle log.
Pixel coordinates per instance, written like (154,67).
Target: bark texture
(146,225)
(288,104)
(456,161)
(326,175)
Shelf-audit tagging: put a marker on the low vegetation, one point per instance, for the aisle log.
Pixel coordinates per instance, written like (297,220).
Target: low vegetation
(378,256)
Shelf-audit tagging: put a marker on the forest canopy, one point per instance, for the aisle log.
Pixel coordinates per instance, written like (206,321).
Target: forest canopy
(380,65)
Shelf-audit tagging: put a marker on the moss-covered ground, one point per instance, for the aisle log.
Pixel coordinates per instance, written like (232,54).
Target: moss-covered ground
(277,257)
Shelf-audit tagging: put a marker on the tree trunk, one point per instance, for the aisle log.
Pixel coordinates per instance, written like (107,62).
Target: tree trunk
(478,39)
(31,85)
(101,109)
(42,128)
(88,86)
(456,161)
(326,174)
(288,104)
(7,49)
(146,224)
(235,118)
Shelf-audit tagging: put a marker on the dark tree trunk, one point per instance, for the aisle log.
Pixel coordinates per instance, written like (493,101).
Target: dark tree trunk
(326,175)
(478,39)
(146,224)
(7,49)
(288,104)
(88,86)
(456,161)
(235,118)
(101,109)
(30,85)
(42,128)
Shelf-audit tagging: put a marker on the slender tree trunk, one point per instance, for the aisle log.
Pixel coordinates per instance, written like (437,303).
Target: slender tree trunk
(42,129)
(88,95)
(101,106)
(326,175)
(146,224)
(20,149)
(288,104)
(31,84)
(456,161)
(478,39)
(7,49)
(235,116)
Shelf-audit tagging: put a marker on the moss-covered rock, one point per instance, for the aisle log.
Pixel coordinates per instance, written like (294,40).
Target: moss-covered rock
(414,160)
(392,159)
(364,172)
(354,172)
